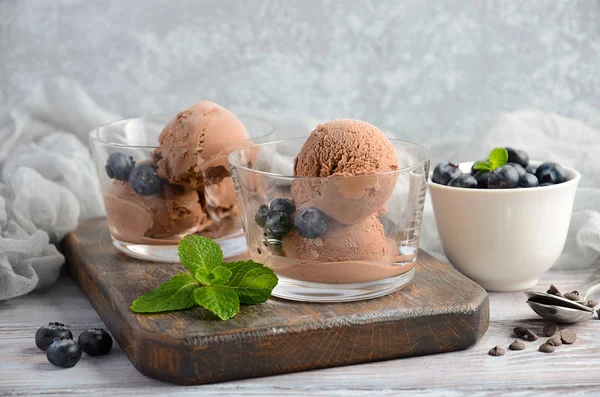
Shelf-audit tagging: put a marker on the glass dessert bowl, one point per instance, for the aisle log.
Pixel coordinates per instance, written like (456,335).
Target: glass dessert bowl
(156,191)
(335,238)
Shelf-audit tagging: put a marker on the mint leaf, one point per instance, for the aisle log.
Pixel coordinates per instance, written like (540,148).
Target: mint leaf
(219,275)
(252,281)
(175,294)
(199,252)
(498,157)
(482,166)
(222,301)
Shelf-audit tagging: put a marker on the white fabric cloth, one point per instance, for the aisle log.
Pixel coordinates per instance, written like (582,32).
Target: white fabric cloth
(48,180)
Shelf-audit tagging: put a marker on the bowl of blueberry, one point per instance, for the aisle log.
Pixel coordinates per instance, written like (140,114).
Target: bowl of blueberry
(503,221)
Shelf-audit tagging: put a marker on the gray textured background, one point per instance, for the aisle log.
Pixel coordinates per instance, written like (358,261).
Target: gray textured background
(418,68)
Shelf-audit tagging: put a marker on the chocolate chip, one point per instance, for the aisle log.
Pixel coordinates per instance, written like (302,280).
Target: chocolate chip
(546,348)
(517,345)
(520,331)
(258,250)
(550,329)
(554,341)
(573,296)
(530,336)
(591,303)
(553,291)
(496,351)
(568,336)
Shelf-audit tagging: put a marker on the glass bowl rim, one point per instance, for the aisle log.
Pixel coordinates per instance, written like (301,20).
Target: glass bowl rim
(330,177)
(92,135)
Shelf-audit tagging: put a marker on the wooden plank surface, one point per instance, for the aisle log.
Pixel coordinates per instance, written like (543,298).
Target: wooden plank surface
(571,371)
(439,311)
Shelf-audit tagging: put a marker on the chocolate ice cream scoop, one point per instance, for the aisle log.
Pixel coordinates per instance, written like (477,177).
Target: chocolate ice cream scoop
(363,241)
(156,219)
(350,157)
(200,133)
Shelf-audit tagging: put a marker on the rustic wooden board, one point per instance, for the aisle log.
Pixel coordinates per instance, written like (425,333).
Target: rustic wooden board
(439,311)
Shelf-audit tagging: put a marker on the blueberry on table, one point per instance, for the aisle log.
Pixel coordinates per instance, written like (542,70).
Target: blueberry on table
(277,225)
(144,180)
(310,223)
(261,215)
(551,173)
(444,172)
(505,177)
(64,353)
(282,205)
(518,156)
(95,342)
(119,166)
(46,333)
(482,178)
(529,180)
(465,181)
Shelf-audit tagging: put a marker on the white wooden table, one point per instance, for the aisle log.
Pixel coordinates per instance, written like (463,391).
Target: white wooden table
(571,370)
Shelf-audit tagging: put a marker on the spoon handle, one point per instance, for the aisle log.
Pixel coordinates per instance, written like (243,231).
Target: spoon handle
(590,285)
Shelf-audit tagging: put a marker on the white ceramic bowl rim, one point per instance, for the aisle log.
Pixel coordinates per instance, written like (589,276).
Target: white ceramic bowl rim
(93,134)
(328,178)
(573,175)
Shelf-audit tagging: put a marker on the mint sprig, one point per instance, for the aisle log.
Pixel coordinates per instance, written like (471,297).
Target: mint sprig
(497,158)
(215,285)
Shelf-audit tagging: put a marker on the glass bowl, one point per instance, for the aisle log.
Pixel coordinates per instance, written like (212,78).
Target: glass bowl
(186,190)
(346,238)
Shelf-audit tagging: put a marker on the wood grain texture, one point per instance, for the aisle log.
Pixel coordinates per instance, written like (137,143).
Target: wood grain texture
(24,370)
(439,311)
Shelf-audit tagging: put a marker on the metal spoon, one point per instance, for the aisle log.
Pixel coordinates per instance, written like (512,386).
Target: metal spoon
(563,310)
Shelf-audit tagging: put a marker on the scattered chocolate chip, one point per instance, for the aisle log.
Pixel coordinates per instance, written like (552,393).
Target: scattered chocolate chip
(553,291)
(496,351)
(546,348)
(568,336)
(265,243)
(517,345)
(573,296)
(550,329)
(591,303)
(530,336)
(554,341)
(259,251)
(520,331)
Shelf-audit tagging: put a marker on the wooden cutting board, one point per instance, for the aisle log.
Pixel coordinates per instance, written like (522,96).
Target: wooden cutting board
(439,311)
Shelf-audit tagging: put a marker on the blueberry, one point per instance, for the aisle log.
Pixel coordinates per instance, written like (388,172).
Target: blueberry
(445,172)
(547,184)
(144,180)
(522,172)
(95,342)
(119,166)
(64,353)
(551,173)
(310,222)
(529,180)
(261,215)
(482,178)
(46,333)
(531,169)
(505,177)
(277,225)
(282,205)
(518,156)
(465,180)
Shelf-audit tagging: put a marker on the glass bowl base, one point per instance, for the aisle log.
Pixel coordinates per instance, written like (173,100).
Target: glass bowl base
(232,246)
(304,291)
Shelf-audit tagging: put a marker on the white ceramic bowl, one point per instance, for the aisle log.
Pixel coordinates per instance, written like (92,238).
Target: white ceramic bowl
(504,239)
